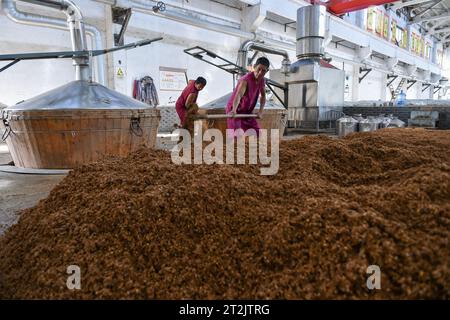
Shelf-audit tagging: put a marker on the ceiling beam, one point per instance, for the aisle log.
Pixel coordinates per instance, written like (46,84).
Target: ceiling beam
(437,25)
(436,31)
(401,4)
(445,39)
(422,19)
(421,13)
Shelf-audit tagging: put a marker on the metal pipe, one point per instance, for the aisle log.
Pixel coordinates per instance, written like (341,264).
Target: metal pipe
(77,30)
(48,3)
(11,11)
(174,6)
(251,44)
(96,37)
(196,21)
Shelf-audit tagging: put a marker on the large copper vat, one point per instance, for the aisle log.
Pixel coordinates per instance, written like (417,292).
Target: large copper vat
(77,123)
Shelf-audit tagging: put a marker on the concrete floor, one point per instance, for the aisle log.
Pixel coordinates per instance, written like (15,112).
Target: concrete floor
(20,191)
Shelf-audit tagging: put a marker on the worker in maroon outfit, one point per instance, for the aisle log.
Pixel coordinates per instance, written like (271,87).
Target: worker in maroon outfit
(244,98)
(188,98)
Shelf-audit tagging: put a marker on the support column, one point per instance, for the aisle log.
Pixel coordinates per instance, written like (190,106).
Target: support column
(383,87)
(430,92)
(109,43)
(434,52)
(360,18)
(355,84)
(117,66)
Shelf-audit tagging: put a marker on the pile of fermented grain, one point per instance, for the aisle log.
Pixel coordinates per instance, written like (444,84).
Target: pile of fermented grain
(142,227)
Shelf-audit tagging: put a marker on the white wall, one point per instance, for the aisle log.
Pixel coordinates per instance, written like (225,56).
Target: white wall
(43,75)
(371,86)
(169,53)
(27,79)
(148,60)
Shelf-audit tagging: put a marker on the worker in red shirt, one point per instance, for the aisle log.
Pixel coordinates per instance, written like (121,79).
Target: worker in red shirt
(188,98)
(244,98)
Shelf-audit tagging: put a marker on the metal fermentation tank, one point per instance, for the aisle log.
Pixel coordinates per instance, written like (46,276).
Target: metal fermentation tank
(315,87)
(81,121)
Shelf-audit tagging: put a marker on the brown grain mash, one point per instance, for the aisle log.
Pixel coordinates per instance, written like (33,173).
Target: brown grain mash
(144,228)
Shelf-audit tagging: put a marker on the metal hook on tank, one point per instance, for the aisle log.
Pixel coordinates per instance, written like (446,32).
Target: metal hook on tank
(135,127)
(8,129)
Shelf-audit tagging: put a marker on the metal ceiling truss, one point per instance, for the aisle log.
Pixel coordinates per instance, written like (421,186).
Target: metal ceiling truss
(434,4)
(428,18)
(433,16)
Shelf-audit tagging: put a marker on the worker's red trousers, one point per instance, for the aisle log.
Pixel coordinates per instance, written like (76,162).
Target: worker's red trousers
(181,110)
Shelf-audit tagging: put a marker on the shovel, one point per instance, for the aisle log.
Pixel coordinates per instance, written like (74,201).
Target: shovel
(224,116)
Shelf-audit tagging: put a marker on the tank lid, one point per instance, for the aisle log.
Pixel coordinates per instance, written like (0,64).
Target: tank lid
(80,94)
(396,120)
(347,119)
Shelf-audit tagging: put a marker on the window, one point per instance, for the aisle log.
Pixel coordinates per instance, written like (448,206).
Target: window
(386,26)
(379,19)
(413,42)
(420,47)
(399,37)
(393,31)
(428,50)
(405,39)
(439,56)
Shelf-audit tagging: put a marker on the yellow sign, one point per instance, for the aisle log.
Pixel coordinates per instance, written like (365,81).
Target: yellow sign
(370,19)
(120,72)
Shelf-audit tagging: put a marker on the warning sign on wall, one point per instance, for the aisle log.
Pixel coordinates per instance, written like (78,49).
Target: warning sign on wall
(120,72)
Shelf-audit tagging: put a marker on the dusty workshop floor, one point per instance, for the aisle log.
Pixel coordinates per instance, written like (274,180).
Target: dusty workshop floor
(20,191)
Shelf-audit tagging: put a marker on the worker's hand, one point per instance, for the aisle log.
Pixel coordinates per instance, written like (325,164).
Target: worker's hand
(260,114)
(192,109)
(233,113)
